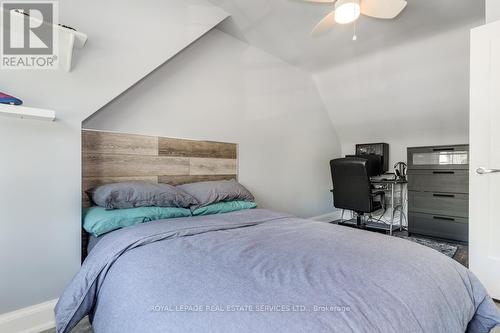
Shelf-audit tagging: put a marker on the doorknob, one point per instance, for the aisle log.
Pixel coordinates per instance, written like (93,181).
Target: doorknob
(483,171)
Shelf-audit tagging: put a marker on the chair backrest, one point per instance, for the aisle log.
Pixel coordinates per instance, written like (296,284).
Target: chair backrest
(351,184)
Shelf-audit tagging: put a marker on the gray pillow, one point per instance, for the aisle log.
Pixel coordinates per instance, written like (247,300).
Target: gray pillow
(140,194)
(207,193)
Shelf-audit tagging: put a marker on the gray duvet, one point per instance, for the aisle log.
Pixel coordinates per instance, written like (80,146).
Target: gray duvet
(262,271)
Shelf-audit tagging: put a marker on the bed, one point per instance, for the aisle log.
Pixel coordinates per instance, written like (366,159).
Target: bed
(259,270)
(263,271)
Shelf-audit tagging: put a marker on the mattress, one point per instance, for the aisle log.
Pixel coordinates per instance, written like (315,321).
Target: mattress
(264,271)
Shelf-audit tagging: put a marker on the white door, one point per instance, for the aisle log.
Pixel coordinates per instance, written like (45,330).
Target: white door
(484,217)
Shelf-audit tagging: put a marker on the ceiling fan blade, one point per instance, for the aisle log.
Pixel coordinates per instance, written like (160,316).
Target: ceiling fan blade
(382,9)
(324,25)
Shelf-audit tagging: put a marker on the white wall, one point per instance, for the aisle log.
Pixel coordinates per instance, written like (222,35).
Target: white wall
(40,202)
(412,94)
(225,90)
(492,10)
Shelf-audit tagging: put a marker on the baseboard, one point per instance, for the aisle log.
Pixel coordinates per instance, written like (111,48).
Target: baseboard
(33,319)
(329,217)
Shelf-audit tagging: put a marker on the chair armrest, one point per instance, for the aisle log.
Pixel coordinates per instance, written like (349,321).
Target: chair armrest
(380,194)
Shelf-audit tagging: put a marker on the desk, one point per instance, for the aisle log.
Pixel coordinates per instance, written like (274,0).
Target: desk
(389,185)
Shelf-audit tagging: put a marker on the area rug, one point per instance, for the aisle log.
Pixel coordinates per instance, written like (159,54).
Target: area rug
(443,247)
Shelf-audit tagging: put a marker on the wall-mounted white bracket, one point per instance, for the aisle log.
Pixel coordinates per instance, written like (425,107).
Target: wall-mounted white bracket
(68,40)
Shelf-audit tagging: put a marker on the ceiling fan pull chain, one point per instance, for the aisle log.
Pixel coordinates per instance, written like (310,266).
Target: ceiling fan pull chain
(354,36)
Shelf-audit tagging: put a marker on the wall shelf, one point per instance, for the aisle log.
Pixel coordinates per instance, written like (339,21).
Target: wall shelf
(23,112)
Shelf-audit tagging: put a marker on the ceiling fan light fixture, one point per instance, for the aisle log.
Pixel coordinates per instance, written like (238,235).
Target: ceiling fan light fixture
(347,11)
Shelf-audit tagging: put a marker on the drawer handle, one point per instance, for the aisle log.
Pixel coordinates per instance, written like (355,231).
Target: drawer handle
(443,218)
(443,172)
(484,171)
(444,149)
(444,195)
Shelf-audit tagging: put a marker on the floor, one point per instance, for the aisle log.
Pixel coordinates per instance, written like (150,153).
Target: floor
(462,255)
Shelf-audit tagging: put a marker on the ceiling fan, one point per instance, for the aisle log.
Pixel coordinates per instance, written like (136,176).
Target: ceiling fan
(347,11)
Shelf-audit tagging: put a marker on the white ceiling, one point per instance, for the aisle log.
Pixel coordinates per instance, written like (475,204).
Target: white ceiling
(281,27)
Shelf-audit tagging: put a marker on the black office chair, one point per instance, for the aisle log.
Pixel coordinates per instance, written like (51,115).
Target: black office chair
(352,189)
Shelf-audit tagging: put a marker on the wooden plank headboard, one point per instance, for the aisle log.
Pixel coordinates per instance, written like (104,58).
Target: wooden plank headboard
(109,157)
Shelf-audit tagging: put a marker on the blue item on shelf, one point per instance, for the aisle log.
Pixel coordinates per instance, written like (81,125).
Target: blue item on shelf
(7,99)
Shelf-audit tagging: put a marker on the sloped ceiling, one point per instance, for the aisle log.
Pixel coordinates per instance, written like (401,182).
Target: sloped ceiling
(281,27)
(414,94)
(127,40)
(404,81)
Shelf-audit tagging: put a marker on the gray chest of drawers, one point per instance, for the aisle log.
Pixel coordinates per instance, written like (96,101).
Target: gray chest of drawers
(438,187)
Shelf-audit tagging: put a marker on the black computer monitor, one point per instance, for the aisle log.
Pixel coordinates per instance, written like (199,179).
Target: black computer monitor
(375,149)
(375,163)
